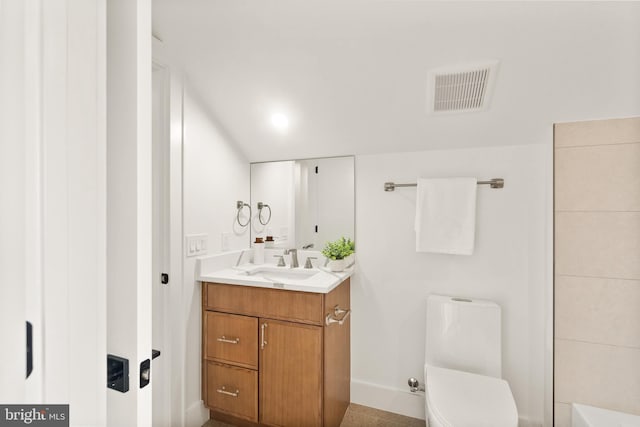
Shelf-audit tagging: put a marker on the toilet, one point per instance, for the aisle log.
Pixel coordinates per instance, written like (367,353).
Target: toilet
(463,365)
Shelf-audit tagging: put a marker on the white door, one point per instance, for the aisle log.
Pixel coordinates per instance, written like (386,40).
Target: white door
(52,205)
(12,202)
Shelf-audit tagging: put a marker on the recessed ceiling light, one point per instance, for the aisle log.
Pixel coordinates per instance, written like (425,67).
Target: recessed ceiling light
(280,121)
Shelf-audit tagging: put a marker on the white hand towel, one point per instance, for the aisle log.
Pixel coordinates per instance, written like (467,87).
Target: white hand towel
(446,215)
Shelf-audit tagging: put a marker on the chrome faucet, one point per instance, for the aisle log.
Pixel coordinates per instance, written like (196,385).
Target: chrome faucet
(240,257)
(309,246)
(308,263)
(294,257)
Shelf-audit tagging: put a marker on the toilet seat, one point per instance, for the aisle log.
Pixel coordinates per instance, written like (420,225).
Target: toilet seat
(462,399)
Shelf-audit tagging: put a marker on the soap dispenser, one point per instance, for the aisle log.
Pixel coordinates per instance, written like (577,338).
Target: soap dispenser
(258,251)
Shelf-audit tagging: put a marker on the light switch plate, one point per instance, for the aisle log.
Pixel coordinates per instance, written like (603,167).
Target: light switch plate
(226,241)
(196,244)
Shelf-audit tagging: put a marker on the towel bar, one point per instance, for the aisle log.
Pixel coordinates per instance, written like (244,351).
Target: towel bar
(494,183)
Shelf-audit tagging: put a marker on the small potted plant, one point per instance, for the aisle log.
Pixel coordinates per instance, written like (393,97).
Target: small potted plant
(337,251)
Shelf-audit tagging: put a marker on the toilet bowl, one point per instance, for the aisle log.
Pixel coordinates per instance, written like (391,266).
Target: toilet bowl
(463,365)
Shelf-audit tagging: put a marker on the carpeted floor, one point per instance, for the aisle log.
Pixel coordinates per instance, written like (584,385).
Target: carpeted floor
(361,416)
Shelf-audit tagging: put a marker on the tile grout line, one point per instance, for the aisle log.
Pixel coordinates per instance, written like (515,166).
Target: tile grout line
(596,277)
(595,145)
(598,343)
(595,211)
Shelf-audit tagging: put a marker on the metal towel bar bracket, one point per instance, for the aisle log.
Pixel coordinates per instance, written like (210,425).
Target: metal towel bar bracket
(334,316)
(493,183)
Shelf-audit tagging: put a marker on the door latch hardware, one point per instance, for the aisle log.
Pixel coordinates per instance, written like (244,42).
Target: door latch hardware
(117,373)
(145,373)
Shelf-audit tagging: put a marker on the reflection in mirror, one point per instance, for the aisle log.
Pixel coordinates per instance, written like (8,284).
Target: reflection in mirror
(310,202)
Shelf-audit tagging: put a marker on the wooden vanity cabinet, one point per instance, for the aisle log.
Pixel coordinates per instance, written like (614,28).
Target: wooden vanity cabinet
(271,359)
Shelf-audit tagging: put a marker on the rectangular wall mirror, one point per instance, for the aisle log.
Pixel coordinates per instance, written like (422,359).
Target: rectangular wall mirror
(303,203)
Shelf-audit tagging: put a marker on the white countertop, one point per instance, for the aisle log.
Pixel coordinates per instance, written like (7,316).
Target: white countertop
(318,280)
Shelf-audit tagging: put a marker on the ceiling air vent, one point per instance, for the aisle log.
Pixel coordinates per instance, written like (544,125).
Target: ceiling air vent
(462,88)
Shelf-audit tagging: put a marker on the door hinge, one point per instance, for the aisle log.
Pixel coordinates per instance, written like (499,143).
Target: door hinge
(164,278)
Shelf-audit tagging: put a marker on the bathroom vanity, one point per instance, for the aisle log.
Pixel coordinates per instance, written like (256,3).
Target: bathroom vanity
(276,352)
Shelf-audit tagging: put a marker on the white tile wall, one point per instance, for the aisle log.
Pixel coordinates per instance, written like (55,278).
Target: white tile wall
(597,266)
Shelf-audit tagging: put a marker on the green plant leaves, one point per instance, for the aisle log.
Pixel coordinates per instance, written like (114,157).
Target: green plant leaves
(339,249)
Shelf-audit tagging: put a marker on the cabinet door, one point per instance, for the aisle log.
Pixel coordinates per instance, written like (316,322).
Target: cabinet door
(290,374)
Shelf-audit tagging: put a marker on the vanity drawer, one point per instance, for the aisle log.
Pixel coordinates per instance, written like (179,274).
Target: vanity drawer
(232,390)
(301,307)
(231,339)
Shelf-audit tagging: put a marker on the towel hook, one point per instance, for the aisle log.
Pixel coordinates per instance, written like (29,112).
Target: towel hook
(260,207)
(240,205)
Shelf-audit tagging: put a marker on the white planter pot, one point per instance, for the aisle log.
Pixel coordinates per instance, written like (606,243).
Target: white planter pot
(351,259)
(336,265)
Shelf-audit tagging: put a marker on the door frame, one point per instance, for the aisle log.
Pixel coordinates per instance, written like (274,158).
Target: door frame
(175,310)
(161,308)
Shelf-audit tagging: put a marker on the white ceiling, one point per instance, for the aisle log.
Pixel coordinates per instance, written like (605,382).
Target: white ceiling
(352,74)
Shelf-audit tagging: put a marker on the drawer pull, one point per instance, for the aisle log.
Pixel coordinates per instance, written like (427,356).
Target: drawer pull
(228,393)
(263,342)
(333,317)
(228,341)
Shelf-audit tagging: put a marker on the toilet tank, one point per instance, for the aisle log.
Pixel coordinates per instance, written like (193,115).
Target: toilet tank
(464,334)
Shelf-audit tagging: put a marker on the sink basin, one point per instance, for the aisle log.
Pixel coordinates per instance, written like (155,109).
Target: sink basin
(283,274)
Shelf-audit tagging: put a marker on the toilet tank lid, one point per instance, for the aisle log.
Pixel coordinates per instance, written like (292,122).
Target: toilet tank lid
(435,298)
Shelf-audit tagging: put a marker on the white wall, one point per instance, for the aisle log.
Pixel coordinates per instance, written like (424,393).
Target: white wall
(215,176)
(392,281)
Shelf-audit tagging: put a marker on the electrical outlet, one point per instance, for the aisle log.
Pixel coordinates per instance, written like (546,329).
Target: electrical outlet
(196,244)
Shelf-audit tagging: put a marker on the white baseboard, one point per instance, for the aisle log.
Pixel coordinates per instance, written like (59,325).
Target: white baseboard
(401,402)
(388,399)
(526,422)
(196,415)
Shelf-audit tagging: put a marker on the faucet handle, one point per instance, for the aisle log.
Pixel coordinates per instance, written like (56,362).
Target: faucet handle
(307,263)
(280,261)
